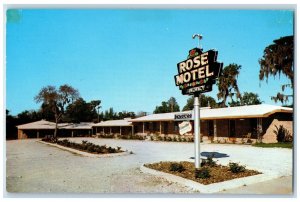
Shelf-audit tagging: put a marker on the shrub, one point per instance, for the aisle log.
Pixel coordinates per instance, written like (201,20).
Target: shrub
(288,138)
(50,138)
(176,167)
(282,134)
(111,150)
(236,168)
(202,173)
(209,161)
(151,138)
(249,141)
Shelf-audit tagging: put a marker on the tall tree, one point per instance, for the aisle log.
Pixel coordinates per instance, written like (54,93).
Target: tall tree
(11,129)
(126,114)
(80,111)
(170,106)
(173,105)
(141,113)
(163,108)
(95,104)
(227,83)
(205,101)
(110,114)
(46,112)
(57,99)
(248,98)
(279,58)
(28,116)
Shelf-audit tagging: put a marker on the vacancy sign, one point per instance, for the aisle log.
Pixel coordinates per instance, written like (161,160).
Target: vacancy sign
(185,127)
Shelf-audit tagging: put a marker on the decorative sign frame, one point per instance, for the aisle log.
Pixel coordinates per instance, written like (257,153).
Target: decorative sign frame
(198,72)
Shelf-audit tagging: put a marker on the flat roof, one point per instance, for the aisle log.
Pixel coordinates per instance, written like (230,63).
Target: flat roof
(250,111)
(122,122)
(82,125)
(43,124)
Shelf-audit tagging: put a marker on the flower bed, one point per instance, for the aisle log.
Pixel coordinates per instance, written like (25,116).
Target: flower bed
(209,173)
(85,146)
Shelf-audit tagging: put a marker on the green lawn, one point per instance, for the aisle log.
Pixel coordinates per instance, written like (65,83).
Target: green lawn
(279,144)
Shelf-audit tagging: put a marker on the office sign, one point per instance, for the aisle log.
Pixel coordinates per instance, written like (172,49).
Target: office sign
(183,116)
(198,73)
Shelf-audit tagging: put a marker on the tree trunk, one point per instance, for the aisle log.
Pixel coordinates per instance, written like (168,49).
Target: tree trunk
(55,131)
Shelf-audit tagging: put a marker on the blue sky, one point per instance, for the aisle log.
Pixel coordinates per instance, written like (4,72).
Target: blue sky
(127,58)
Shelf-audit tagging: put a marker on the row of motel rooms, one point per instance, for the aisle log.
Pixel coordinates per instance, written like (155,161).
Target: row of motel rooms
(231,124)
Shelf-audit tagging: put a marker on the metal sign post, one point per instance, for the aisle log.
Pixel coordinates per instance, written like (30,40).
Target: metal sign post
(197,130)
(197,137)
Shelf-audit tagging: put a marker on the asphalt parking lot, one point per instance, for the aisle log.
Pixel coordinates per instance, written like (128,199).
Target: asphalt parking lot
(32,167)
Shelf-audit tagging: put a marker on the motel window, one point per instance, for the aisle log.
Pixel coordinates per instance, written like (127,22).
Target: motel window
(147,126)
(154,126)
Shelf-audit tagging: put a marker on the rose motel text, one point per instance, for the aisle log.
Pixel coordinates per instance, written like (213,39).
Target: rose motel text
(197,70)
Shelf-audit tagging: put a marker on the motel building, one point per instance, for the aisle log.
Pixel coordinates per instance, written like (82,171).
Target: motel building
(243,124)
(42,128)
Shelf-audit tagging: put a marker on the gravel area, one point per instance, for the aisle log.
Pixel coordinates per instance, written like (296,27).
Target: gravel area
(38,168)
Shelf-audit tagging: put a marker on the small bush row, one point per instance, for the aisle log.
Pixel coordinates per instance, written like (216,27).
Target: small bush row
(172,139)
(132,137)
(204,171)
(87,146)
(126,137)
(107,135)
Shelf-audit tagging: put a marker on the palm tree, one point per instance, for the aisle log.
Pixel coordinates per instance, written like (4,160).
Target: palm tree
(279,58)
(227,83)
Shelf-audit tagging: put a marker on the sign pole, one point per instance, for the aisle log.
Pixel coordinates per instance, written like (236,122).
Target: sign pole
(197,130)
(197,136)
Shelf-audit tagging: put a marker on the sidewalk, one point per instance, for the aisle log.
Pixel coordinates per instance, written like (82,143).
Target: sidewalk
(283,185)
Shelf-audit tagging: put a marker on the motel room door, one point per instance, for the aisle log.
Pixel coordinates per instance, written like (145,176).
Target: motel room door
(165,128)
(210,128)
(232,128)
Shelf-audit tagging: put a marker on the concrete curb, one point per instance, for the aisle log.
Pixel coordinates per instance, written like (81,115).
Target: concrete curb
(85,153)
(211,188)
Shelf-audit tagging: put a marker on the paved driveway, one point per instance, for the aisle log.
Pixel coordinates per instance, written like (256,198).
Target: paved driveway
(36,167)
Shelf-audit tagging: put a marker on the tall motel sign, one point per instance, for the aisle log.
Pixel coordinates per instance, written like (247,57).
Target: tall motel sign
(196,75)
